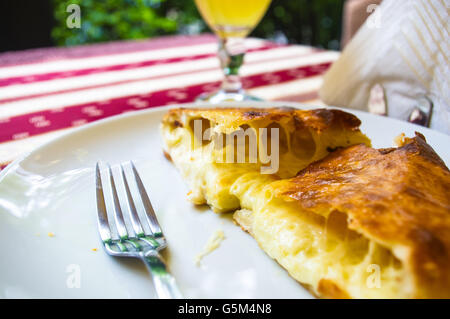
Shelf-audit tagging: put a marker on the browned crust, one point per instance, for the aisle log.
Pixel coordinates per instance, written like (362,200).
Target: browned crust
(318,119)
(328,289)
(167,156)
(395,196)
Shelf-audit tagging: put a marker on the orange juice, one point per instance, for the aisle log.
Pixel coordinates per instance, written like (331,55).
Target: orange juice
(232,18)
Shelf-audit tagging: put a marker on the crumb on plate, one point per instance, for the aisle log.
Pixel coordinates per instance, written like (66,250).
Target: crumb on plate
(400,140)
(212,244)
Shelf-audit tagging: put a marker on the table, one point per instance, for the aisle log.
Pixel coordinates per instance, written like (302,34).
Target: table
(46,92)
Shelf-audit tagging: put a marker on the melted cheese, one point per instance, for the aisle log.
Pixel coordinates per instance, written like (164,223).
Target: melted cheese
(311,248)
(210,180)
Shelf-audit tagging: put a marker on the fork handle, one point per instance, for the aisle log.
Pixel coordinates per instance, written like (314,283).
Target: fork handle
(165,285)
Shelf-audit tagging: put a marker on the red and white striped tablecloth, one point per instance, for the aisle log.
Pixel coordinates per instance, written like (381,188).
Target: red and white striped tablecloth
(46,92)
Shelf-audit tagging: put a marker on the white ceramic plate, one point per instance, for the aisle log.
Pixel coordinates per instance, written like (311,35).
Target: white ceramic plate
(52,190)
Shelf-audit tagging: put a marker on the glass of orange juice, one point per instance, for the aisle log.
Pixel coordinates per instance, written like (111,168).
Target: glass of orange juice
(231,21)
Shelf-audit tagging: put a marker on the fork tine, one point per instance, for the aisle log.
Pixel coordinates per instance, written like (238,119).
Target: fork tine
(117,211)
(133,213)
(149,212)
(102,219)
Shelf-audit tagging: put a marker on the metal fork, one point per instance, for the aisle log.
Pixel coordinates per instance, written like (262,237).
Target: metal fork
(119,239)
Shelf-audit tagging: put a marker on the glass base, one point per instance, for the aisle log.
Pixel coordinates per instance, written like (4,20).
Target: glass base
(224,96)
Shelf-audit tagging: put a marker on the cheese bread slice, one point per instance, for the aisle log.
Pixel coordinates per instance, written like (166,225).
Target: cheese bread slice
(197,142)
(361,223)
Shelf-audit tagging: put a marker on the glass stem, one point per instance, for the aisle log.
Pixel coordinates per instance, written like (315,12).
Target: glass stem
(231,56)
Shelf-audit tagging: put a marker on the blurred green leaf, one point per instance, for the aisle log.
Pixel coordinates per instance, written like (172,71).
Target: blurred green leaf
(315,22)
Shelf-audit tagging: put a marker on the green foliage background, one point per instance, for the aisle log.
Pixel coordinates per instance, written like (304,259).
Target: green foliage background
(314,22)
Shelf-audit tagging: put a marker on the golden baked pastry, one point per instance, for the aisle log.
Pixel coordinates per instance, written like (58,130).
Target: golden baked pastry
(303,137)
(360,223)
(356,223)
